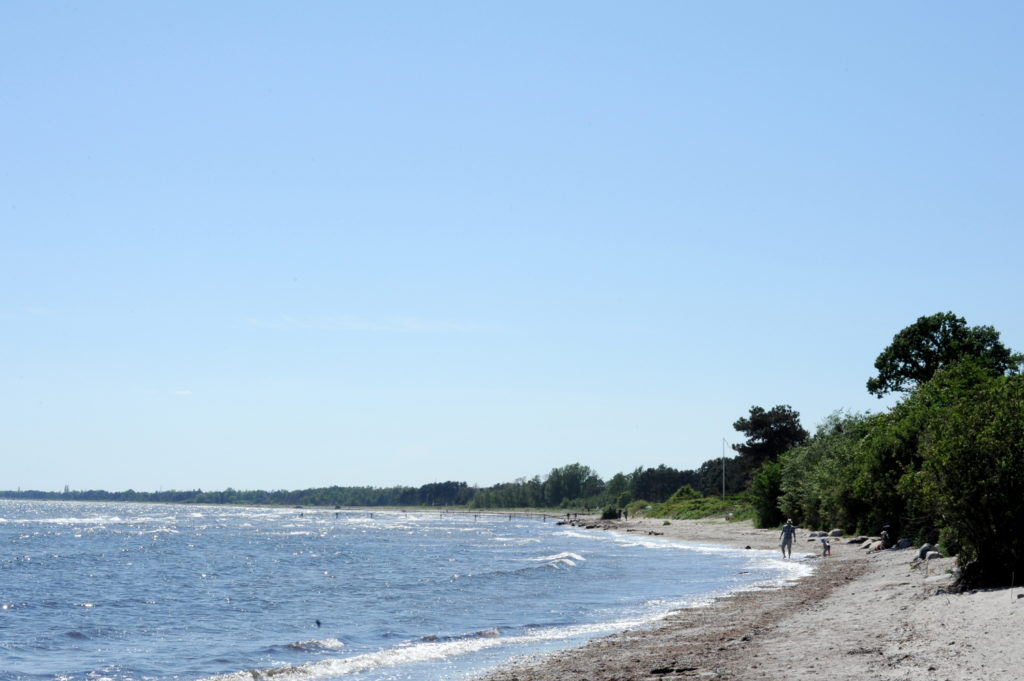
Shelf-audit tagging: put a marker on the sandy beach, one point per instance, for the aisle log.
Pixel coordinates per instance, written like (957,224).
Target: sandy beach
(861,615)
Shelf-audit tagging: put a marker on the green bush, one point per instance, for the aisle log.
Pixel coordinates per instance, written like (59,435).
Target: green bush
(817,485)
(973,471)
(691,504)
(765,490)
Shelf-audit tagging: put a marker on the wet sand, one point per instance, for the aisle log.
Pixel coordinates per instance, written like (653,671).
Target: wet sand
(861,615)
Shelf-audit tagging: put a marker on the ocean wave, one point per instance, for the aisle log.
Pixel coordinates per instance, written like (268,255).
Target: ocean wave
(484,633)
(515,541)
(71,520)
(160,530)
(564,558)
(316,645)
(404,654)
(546,563)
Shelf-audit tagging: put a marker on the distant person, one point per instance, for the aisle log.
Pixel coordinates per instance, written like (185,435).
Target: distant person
(826,547)
(786,539)
(887,540)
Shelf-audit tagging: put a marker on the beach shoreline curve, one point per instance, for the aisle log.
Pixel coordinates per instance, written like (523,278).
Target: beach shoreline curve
(860,615)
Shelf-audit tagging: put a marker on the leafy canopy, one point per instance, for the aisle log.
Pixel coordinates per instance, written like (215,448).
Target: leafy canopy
(769,434)
(973,470)
(929,344)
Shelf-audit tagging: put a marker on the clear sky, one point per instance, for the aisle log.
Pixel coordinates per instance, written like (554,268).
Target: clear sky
(284,245)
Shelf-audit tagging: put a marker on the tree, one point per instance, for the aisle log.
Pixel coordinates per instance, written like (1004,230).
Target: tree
(658,484)
(818,478)
(709,476)
(618,485)
(973,470)
(929,344)
(571,483)
(765,490)
(769,434)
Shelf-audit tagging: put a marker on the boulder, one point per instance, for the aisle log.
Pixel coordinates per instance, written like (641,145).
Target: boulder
(904,543)
(836,533)
(932,555)
(923,553)
(857,540)
(816,533)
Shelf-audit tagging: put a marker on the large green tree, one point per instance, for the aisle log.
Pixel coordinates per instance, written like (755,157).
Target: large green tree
(973,470)
(933,342)
(769,434)
(571,483)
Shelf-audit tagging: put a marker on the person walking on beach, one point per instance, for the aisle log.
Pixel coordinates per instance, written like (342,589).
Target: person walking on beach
(786,539)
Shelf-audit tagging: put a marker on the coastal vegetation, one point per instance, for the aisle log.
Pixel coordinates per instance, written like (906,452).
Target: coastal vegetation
(945,464)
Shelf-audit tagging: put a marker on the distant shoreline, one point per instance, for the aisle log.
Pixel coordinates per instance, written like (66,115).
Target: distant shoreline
(521,512)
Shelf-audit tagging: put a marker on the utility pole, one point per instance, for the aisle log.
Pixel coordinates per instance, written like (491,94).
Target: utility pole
(724,443)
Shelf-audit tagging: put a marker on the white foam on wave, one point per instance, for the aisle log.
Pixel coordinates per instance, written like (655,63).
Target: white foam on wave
(515,541)
(565,558)
(390,657)
(317,644)
(764,559)
(70,520)
(429,649)
(160,530)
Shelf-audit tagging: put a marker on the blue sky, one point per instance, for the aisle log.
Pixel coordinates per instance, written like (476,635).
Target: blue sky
(267,245)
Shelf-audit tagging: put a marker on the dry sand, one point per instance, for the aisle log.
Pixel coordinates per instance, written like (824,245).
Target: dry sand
(861,615)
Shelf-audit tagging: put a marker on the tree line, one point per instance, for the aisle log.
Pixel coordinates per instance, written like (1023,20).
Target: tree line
(433,494)
(572,486)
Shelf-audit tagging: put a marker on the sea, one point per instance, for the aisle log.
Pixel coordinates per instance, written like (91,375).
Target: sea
(133,592)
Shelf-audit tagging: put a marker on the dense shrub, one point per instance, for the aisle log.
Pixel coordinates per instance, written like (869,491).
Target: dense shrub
(973,471)
(765,490)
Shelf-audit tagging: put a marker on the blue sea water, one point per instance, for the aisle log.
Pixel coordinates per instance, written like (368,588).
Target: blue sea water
(132,592)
